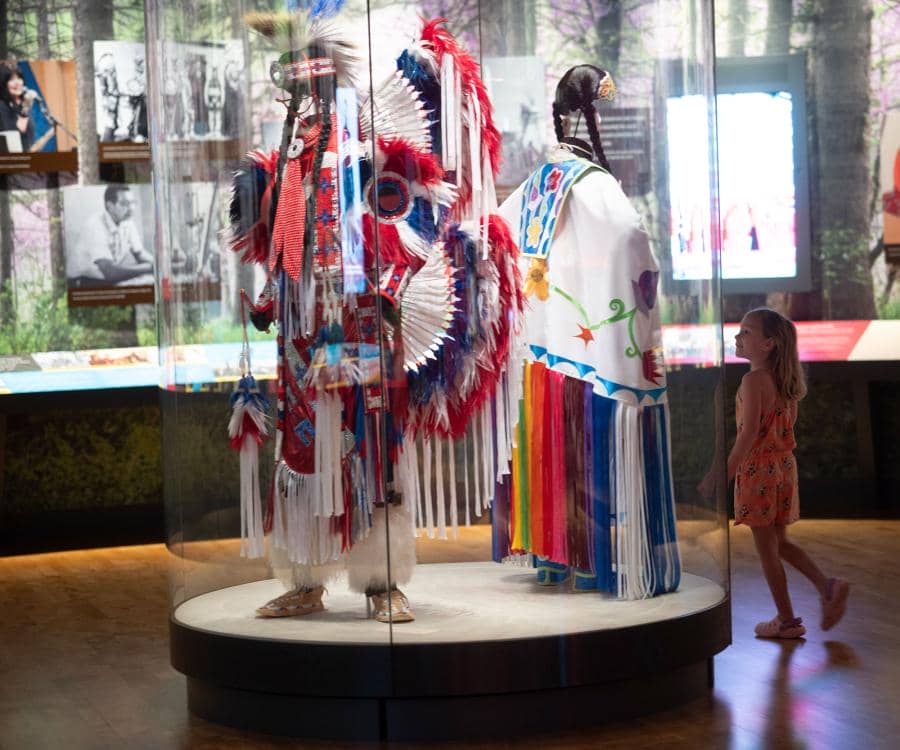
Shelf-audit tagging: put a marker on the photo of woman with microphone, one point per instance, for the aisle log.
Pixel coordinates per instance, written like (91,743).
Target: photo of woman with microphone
(16,102)
(38,108)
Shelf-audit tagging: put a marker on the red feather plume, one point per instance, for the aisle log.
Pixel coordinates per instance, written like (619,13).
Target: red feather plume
(402,157)
(444,43)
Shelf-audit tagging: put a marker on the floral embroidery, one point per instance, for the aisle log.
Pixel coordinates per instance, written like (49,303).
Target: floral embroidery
(536,281)
(650,364)
(763,490)
(645,291)
(534,232)
(751,470)
(586,336)
(786,462)
(770,469)
(553,179)
(745,511)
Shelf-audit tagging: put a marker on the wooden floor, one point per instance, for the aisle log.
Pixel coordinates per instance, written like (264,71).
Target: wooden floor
(84,661)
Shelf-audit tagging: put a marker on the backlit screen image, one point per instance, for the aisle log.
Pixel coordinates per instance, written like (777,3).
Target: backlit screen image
(756,185)
(687,119)
(758,208)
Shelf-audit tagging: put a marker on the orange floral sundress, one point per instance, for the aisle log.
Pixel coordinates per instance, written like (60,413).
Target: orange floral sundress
(765,485)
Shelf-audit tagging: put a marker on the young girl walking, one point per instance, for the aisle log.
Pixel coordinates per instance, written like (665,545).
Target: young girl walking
(765,470)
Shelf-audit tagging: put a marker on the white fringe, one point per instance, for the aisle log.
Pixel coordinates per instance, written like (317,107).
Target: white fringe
(487,445)
(371,489)
(450,119)
(634,571)
(439,483)
(673,568)
(306,538)
(252,536)
(488,197)
(477,473)
(457,116)
(414,454)
(454,511)
(328,500)
(504,443)
(473,162)
(466,475)
(429,516)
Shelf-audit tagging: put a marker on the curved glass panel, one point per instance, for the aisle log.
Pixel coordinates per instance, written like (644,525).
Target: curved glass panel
(484,346)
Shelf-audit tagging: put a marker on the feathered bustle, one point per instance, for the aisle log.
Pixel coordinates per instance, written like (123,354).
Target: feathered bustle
(251,196)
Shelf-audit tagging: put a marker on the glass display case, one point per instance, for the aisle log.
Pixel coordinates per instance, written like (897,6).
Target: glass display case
(449,470)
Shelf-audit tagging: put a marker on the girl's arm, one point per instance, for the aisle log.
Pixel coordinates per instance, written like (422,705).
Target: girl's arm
(752,391)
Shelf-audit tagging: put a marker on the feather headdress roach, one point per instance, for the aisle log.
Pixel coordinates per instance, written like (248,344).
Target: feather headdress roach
(298,31)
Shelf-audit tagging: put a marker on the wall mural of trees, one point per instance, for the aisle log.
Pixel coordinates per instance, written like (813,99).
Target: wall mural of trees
(853,53)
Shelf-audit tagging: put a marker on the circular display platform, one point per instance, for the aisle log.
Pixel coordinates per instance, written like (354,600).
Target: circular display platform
(453,602)
(487,642)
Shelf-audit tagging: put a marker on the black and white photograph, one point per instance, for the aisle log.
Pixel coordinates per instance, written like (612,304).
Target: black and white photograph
(108,233)
(120,84)
(520,112)
(37,115)
(195,261)
(203,90)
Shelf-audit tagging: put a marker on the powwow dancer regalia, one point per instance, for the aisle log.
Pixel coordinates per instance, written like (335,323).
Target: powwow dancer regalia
(591,486)
(396,296)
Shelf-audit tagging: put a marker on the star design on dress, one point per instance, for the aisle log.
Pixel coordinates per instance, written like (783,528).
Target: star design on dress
(585,335)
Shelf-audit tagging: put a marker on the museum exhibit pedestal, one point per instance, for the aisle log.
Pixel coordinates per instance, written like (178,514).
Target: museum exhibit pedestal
(490,654)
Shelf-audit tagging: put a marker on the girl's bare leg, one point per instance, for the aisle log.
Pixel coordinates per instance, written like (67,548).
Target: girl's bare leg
(767,546)
(801,561)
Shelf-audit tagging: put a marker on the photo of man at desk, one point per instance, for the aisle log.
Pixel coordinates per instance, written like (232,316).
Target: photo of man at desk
(105,247)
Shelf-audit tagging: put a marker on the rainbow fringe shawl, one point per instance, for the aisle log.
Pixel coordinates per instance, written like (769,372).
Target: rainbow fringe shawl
(590,488)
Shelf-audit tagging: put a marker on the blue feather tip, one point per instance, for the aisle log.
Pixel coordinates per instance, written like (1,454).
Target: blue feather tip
(317,8)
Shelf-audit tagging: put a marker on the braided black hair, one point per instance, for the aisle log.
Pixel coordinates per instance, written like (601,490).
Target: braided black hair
(591,122)
(557,122)
(577,91)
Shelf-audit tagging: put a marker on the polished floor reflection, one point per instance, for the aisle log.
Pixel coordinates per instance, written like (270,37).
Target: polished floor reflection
(84,660)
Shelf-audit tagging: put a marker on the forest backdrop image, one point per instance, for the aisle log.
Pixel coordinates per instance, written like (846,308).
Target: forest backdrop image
(853,92)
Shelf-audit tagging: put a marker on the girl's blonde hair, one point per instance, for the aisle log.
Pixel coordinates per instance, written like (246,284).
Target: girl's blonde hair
(784,359)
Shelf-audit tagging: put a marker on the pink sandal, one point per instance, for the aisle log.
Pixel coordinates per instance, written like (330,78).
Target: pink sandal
(778,628)
(834,603)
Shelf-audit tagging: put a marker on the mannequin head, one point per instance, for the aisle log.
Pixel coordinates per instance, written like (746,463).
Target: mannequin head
(578,95)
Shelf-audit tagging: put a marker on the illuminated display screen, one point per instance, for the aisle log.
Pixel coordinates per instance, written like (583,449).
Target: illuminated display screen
(756,187)
(690,238)
(762,198)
